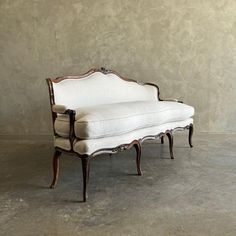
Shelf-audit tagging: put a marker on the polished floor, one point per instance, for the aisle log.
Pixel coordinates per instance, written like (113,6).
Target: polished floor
(194,194)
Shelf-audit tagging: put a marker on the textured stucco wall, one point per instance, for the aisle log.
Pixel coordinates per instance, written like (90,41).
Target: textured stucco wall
(187,47)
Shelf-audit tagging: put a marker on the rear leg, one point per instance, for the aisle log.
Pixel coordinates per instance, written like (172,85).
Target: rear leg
(170,137)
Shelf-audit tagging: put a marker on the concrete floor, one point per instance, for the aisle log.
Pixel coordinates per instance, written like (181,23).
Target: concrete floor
(195,194)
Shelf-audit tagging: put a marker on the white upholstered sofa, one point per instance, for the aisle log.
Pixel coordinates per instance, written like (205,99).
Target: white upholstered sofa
(102,112)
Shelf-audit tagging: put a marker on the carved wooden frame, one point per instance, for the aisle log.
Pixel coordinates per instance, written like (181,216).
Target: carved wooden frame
(85,159)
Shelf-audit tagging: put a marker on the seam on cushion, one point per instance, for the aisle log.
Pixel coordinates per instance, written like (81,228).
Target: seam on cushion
(110,135)
(77,121)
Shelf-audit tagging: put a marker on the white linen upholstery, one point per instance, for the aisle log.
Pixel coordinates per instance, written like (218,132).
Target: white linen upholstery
(63,143)
(98,89)
(59,108)
(117,119)
(62,125)
(90,146)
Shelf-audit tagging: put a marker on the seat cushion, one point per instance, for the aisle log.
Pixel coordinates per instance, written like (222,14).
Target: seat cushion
(120,118)
(90,146)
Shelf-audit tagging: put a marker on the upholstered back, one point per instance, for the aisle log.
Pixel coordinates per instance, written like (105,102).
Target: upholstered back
(98,88)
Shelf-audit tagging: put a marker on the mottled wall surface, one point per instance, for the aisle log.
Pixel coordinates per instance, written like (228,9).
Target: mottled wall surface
(187,47)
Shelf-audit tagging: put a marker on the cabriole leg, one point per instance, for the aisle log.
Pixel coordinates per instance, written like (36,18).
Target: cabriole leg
(170,137)
(138,149)
(56,156)
(190,135)
(85,169)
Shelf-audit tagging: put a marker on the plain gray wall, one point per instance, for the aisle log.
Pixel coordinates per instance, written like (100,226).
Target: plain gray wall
(187,47)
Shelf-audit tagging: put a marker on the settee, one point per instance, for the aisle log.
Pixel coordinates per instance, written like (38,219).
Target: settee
(102,112)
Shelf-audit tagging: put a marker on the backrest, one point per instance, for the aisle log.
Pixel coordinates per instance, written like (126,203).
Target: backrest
(97,87)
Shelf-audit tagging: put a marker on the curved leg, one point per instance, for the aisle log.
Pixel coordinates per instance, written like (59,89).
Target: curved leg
(190,135)
(170,137)
(138,149)
(162,139)
(85,169)
(56,156)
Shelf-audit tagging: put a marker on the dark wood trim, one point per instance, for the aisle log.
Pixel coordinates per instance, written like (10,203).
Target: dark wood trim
(52,102)
(171,100)
(71,114)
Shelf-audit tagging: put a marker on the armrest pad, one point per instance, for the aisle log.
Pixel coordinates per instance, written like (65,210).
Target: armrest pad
(63,110)
(59,108)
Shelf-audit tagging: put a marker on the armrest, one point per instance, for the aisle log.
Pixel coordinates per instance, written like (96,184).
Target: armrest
(171,100)
(59,109)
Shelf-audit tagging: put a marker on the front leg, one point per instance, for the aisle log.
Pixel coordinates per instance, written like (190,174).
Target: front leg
(85,168)
(138,149)
(56,156)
